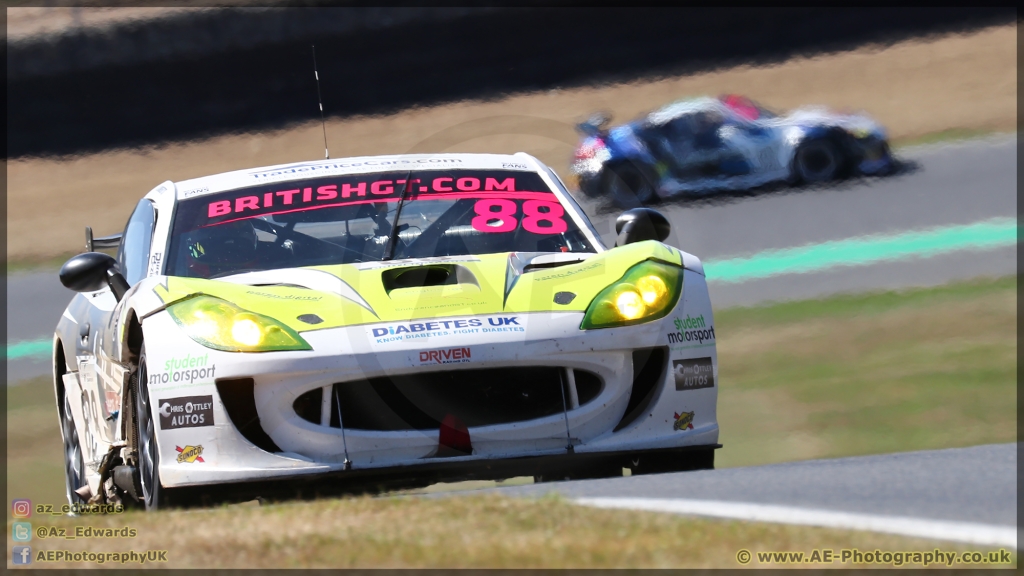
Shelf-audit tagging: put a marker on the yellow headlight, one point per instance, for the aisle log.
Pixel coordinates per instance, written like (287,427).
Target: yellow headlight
(647,291)
(652,289)
(246,331)
(221,325)
(630,305)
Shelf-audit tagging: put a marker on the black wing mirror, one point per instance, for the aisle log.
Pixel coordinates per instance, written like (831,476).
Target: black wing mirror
(93,271)
(641,224)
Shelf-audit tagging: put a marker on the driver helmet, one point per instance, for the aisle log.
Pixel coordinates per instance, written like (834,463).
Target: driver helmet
(221,248)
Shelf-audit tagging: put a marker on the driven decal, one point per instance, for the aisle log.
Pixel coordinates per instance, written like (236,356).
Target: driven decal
(190,454)
(691,330)
(693,373)
(186,412)
(446,356)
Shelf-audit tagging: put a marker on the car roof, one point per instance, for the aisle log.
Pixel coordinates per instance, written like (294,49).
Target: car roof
(357,165)
(677,109)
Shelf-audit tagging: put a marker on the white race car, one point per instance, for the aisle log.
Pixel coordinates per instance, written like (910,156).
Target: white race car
(365,323)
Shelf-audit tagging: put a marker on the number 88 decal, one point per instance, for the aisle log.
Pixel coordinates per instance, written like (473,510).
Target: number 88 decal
(535,220)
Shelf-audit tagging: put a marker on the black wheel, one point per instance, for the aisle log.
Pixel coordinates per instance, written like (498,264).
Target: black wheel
(591,187)
(627,187)
(74,463)
(153,496)
(817,160)
(675,461)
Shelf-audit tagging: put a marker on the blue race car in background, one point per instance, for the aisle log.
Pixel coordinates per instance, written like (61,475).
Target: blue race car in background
(706,145)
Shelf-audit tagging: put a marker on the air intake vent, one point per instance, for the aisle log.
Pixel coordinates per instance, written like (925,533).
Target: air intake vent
(648,371)
(239,400)
(422,401)
(425,276)
(309,405)
(588,386)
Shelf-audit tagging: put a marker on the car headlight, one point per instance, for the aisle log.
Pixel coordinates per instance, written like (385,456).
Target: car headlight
(221,325)
(647,291)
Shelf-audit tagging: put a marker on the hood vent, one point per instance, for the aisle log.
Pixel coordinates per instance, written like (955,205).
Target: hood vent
(426,276)
(539,264)
(520,263)
(307,278)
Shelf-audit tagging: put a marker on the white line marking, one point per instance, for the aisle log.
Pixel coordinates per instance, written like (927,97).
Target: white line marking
(972,533)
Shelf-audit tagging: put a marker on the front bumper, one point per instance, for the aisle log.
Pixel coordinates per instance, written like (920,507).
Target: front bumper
(873,156)
(357,481)
(355,354)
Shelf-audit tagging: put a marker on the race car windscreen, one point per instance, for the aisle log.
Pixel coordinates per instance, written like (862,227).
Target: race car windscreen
(350,218)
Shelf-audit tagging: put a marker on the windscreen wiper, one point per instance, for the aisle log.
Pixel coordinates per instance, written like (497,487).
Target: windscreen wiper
(389,253)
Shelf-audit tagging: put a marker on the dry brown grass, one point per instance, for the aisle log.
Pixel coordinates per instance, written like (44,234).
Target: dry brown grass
(915,88)
(465,532)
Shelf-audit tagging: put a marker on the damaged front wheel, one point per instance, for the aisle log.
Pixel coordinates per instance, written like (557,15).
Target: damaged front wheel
(74,463)
(153,496)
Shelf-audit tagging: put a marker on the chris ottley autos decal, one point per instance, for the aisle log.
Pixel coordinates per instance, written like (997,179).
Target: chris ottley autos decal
(693,373)
(186,412)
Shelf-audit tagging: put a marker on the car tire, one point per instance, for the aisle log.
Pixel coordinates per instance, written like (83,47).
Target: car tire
(74,462)
(817,160)
(154,496)
(627,187)
(591,186)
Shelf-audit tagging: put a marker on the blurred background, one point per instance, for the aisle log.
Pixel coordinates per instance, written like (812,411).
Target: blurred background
(912,349)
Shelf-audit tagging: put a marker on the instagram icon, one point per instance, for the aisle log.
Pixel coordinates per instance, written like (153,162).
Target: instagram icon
(21,508)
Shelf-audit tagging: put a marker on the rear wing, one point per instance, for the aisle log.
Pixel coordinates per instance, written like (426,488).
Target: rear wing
(101,243)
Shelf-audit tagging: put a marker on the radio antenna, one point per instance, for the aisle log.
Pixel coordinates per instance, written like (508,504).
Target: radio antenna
(320,101)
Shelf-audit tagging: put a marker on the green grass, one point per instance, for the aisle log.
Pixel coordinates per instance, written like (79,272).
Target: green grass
(35,461)
(847,306)
(866,374)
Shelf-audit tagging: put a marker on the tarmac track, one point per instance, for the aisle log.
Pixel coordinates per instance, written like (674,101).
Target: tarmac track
(961,494)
